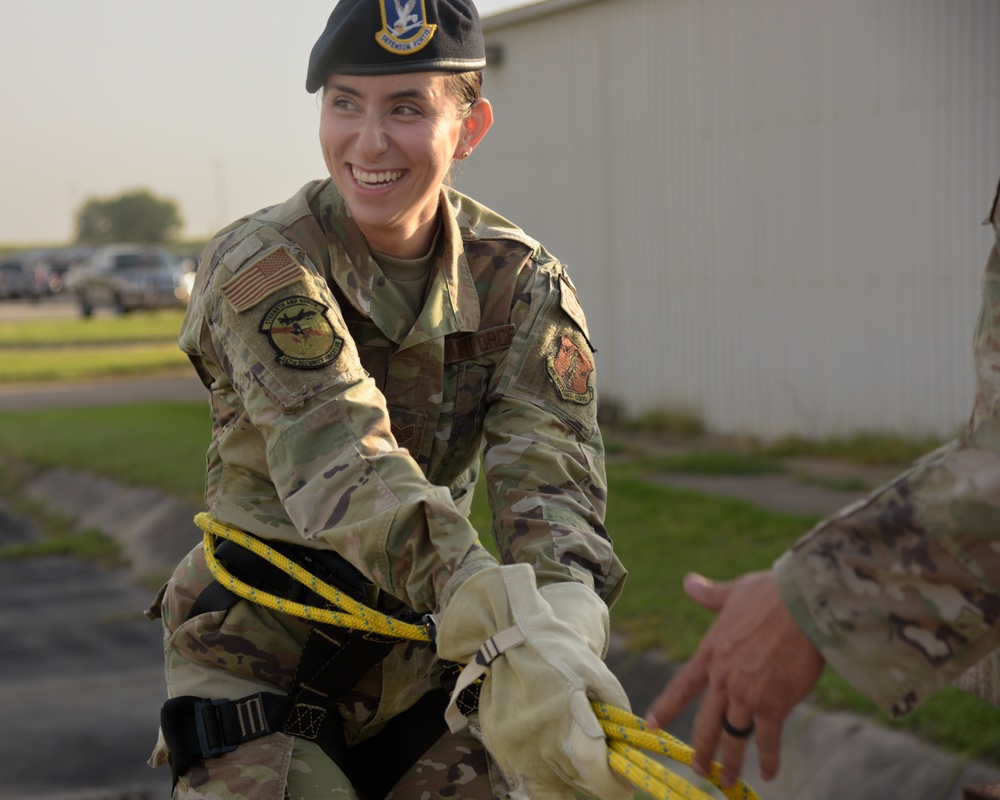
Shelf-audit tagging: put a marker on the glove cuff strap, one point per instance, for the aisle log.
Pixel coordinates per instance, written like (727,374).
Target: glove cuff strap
(489,652)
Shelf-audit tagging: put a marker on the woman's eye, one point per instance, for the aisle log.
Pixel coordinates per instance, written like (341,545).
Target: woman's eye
(342,103)
(405,111)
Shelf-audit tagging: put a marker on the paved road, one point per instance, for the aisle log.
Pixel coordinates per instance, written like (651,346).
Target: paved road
(61,306)
(117,391)
(81,680)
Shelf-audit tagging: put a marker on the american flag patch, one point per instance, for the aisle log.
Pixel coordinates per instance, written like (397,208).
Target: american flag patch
(252,284)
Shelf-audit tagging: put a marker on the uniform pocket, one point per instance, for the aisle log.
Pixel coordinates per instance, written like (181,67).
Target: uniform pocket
(408,429)
(471,384)
(225,653)
(256,770)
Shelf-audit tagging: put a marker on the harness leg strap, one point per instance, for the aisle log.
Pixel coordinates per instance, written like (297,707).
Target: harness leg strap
(195,728)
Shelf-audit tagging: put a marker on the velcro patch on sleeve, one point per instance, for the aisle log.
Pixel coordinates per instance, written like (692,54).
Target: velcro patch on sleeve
(570,366)
(571,304)
(255,282)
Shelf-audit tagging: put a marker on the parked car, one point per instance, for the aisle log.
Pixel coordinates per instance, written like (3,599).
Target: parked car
(127,277)
(49,265)
(16,280)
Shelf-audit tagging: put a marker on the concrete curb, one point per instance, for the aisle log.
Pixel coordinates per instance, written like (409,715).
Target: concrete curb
(155,530)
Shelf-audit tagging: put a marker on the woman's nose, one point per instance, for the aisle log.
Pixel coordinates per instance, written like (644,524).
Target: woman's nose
(371,138)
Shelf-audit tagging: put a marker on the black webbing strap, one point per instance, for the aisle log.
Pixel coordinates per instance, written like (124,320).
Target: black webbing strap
(195,728)
(333,660)
(214,597)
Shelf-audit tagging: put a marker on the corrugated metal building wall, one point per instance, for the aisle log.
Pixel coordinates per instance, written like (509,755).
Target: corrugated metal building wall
(771,208)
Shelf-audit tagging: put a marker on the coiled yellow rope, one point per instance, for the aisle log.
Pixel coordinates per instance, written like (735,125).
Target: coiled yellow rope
(352,614)
(627,734)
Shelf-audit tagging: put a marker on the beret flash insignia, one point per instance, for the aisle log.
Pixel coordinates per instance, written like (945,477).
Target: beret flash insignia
(404,26)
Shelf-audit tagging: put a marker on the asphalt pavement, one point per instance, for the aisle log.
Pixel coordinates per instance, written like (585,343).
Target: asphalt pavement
(81,680)
(81,669)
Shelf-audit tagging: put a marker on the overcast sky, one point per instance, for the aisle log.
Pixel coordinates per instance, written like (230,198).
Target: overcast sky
(200,101)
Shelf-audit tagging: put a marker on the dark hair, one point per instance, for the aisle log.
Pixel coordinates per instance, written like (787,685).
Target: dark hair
(467,88)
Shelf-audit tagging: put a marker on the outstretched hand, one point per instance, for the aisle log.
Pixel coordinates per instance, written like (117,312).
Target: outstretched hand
(757,665)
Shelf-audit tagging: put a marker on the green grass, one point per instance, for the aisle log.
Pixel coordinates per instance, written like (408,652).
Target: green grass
(90,545)
(660,533)
(712,462)
(100,347)
(147,326)
(679,423)
(157,444)
(871,449)
(78,363)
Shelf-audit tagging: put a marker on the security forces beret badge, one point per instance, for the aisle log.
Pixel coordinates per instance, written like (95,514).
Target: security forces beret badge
(404,26)
(300,332)
(570,368)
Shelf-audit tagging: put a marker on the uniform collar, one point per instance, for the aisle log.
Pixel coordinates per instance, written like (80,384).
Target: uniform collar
(452,303)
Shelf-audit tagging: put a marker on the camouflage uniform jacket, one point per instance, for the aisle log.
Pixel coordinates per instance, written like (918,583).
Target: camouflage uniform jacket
(340,422)
(901,591)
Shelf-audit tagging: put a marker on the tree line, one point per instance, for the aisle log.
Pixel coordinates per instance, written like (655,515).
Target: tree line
(135,216)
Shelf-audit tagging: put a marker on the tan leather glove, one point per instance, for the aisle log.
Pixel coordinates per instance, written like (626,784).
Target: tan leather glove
(544,667)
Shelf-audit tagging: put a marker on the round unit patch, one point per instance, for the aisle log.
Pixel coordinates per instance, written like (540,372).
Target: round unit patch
(299,331)
(570,369)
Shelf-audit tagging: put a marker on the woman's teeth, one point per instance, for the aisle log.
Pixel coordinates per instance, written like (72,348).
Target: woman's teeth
(375,179)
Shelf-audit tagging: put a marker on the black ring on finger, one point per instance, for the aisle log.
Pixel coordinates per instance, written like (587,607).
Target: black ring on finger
(737,733)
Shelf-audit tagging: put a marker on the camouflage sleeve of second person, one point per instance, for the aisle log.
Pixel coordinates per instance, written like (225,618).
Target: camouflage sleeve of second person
(544,457)
(270,323)
(901,592)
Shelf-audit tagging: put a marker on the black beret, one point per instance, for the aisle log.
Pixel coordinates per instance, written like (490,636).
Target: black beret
(385,37)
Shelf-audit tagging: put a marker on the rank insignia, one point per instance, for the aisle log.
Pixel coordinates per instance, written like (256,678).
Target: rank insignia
(301,334)
(404,26)
(570,369)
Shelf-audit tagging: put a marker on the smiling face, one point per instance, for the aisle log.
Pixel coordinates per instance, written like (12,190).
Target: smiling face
(388,141)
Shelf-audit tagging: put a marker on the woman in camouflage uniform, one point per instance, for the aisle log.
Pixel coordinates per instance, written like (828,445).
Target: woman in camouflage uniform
(363,343)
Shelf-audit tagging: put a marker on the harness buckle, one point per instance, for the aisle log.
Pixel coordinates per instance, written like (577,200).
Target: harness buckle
(208,723)
(430,623)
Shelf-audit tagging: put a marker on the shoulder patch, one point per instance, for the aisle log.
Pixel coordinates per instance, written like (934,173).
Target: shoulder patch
(301,333)
(258,280)
(570,367)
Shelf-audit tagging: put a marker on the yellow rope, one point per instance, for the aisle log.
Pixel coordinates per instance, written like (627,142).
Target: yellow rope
(627,734)
(352,614)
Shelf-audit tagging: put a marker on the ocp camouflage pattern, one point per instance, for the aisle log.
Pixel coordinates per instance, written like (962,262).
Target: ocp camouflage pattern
(340,421)
(901,591)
